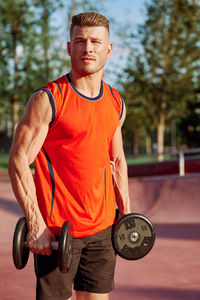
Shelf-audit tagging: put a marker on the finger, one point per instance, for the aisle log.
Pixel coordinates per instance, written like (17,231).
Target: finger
(37,249)
(45,251)
(48,251)
(34,250)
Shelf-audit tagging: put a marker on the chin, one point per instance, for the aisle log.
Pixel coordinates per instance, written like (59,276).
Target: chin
(86,72)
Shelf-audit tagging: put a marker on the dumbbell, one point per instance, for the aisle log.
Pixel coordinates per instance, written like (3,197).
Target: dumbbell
(21,251)
(133,236)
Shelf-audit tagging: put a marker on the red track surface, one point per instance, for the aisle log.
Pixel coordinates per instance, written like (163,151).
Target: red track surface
(169,272)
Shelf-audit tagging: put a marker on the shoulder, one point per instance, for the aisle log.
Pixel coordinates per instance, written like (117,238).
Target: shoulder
(53,91)
(54,87)
(38,106)
(113,91)
(118,99)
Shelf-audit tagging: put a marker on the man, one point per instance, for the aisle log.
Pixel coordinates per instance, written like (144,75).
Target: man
(72,130)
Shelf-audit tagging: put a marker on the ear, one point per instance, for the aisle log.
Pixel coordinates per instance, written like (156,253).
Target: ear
(69,48)
(109,50)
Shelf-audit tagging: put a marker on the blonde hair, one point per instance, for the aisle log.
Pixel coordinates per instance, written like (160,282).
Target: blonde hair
(89,19)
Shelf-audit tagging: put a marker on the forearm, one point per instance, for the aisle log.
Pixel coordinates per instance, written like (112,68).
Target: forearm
(120,182)
(24,190)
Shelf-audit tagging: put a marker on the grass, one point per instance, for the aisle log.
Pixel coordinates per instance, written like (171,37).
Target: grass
(147,159)
(140,160)
(4,161)
(130,160)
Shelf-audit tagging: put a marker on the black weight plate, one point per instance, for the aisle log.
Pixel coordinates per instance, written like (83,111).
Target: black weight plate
(133,236)
(65,247)
(19,251)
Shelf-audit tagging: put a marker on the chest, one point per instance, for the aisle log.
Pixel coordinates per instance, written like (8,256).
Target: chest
(89,120)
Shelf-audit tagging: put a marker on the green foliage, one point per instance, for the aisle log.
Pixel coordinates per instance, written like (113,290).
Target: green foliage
(189,126)
(31,54)
(163,74)
(32,49)
(4,161)
(15,19)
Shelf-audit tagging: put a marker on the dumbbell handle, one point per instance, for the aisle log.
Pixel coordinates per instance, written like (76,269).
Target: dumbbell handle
(54,245)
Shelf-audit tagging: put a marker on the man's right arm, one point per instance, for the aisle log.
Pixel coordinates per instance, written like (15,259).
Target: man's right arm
(28,140)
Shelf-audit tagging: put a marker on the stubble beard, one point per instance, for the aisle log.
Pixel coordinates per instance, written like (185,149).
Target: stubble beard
(88,69)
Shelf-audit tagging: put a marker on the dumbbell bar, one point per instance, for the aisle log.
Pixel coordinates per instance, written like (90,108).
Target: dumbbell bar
(54,245)
(133,236)
(21,251)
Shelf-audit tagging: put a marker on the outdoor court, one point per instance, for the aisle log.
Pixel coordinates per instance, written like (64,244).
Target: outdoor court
(170,271)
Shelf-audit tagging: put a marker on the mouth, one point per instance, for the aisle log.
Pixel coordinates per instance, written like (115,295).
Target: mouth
(87,58)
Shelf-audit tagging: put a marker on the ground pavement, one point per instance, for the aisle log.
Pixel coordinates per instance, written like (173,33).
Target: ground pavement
(169,272)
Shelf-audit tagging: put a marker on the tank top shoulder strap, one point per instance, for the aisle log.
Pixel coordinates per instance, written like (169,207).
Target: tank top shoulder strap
(118,100)
(54,92)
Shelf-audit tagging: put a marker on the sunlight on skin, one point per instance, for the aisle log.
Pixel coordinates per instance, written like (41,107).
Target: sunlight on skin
(91,296)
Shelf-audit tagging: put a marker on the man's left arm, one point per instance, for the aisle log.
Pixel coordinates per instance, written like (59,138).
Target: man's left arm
(119,170)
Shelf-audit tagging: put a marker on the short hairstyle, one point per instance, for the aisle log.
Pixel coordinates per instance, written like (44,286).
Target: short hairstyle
(89,19)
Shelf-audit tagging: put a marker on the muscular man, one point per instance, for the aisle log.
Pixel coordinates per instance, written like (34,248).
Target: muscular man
(71,129)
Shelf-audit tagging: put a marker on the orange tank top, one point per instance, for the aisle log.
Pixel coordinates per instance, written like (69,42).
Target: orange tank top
(72,170)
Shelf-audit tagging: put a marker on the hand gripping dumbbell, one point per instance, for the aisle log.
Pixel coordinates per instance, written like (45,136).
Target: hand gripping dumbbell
(21,251)
(133,236)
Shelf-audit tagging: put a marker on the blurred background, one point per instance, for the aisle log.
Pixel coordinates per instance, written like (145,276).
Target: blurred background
(155,66)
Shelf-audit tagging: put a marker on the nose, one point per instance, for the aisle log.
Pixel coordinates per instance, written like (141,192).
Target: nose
(88,46)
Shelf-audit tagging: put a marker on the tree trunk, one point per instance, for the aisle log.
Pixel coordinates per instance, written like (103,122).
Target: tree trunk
(148,144)
(15,100)
(15,115)
(71,10)
(135,143)
(173,135)
(46,40)
(160,138)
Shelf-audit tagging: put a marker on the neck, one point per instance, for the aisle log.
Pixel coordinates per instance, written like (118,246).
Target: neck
(88,85)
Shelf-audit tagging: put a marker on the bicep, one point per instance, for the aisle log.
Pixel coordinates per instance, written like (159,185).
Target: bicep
(33,128)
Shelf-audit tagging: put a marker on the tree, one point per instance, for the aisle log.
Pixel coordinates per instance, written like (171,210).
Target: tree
(52,59)
(164,72)
(29,57)
(189,126)
(32,51)
(13,25)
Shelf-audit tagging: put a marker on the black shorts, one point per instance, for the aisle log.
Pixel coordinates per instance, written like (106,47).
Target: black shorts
(92,269)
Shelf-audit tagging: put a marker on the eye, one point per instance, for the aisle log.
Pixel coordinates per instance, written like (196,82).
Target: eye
(96,42)
(79,41)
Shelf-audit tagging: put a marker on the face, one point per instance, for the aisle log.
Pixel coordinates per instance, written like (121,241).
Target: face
(89,49)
